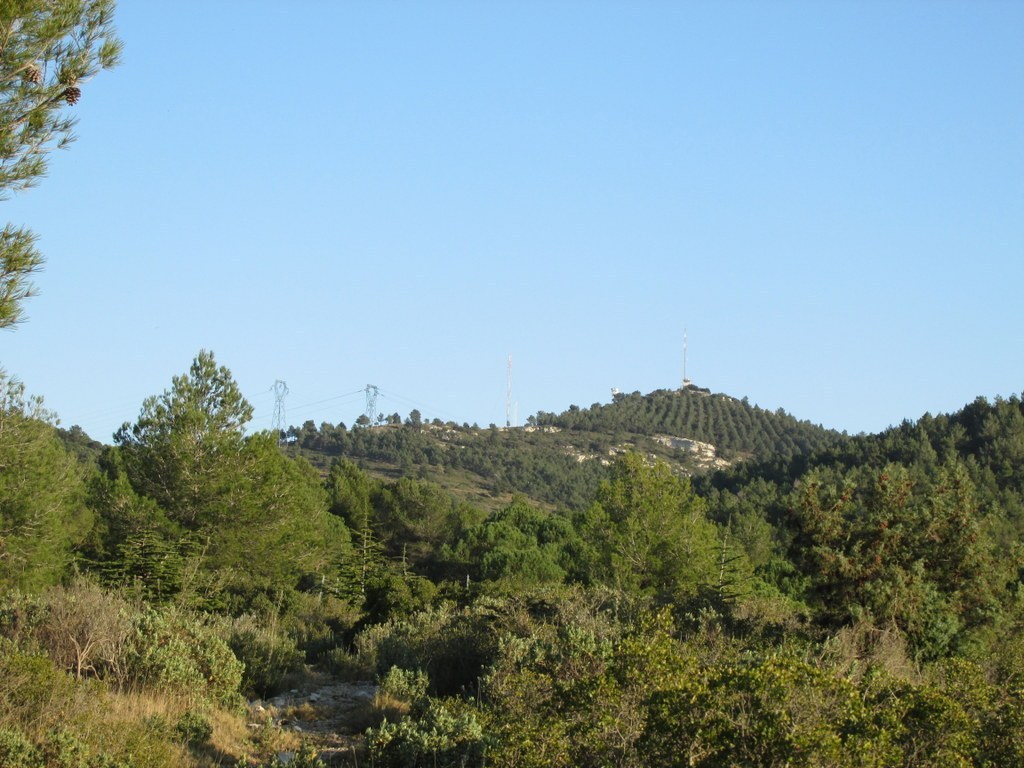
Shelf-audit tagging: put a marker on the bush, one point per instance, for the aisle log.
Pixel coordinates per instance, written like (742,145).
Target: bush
(268,656)
(306,757)
(193,728)
(20,616)
(181,654)
(445,734)
(33,691)
(16,750)
(59,748)
(405,685)
(85,630)
(452,647)
(344,665)
(62,749)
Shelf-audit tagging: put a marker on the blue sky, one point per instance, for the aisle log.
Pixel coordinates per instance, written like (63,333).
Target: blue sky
(829,197)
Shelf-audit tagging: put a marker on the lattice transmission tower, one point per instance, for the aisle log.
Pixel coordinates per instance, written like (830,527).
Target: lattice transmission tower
(371,402)
(278,424)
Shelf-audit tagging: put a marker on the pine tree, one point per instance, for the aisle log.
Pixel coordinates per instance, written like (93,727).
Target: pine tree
(48,50)
(652,531)
(42,510)
(253,510)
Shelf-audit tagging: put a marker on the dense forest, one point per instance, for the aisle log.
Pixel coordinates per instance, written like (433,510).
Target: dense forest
(850,601)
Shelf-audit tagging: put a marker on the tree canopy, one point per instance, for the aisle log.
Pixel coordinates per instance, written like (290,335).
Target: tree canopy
(42,493)
(254,514)
(48,50)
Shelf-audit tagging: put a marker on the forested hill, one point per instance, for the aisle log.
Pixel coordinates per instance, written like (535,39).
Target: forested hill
(921,523)
(560,459)
(866,595)
(986,436)
(736,428)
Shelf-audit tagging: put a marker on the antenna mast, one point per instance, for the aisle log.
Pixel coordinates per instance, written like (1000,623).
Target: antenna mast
(508,395)
(277,425)
(686,381)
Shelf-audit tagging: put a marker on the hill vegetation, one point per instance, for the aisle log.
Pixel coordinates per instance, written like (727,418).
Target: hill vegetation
(558,460)
(843,601)
(736,428)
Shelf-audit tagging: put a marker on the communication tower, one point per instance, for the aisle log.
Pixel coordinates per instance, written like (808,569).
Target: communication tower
(686,381)
(508,395)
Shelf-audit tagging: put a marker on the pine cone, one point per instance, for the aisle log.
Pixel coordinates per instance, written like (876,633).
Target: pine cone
(72,94)
(33,74)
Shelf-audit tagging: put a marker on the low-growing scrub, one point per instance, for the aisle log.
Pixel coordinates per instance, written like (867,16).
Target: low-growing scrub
(268,656)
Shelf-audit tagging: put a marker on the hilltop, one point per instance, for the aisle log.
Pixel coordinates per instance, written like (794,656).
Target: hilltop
(558,460)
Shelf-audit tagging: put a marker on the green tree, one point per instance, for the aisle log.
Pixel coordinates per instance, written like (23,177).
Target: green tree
(48,50)
(415,518)
(879,544)
(277,527)
(651,531)
(249,508)
(133,539)
(519,546)
(42,492)
(350,494)
(185,450)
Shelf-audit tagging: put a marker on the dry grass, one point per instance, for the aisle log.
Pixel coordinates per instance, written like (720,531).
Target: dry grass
(136,725)
(373,713)
(304,711)
(231,734)
(132,706)
(140,726)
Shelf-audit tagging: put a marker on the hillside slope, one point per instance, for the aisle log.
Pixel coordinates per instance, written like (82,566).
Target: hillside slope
(558,459)
(737,429)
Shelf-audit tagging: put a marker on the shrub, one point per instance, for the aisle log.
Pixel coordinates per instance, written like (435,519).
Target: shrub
(33,690)
(268,656)
(344,665)
(85,630)
(446,733)
(16,750)
(181,654)
(452,647)
(62,749)
(306,757)
(193,728)
(20,615)
(405,685)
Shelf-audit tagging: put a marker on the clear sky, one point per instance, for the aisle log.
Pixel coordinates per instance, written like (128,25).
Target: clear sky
(829,197)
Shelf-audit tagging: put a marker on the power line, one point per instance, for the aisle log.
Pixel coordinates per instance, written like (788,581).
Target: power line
(388,395)
(301,409)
